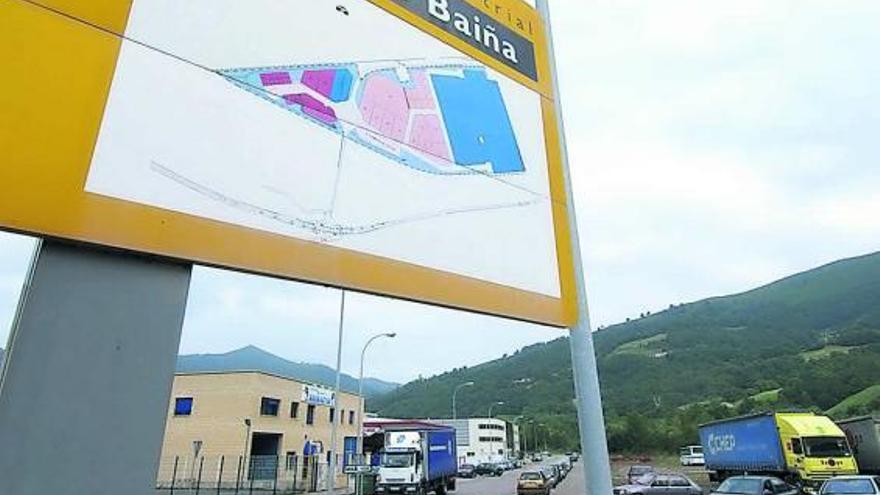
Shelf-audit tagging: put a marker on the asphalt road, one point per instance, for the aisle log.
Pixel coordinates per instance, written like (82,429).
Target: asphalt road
(573,484)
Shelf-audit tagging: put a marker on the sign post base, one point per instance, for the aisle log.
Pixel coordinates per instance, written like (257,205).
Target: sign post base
(91,359)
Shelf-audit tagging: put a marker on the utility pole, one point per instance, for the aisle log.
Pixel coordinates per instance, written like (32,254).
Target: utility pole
(591,423)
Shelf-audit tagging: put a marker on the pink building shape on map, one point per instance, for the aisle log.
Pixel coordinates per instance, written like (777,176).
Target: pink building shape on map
(420,96)
(427,135)
(383,106)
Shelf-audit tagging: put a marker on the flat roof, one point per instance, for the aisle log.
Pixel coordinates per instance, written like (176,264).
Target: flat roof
(260,372)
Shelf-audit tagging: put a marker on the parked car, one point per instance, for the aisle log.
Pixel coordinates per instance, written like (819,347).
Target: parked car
(755,485)
(563,469)
(506,465)
(537,458)
(467,471)
(533,483)
(636,471)
(660,484)
(488,469)
(573,457)
(550,474)
(692,455)
(851,485)
(560,472)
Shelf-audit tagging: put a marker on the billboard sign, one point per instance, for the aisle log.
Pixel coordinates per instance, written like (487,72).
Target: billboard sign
(318,396)
(399,147)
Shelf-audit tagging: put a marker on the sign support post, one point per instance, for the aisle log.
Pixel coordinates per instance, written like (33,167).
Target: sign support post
(591,422)
(84,389)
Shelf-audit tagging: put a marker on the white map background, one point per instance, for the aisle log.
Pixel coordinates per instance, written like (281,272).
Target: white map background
(167,114)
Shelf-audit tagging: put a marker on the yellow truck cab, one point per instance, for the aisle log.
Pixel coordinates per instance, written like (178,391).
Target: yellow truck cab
(814,447)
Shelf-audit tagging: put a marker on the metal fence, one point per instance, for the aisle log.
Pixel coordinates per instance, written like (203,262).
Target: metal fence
(188,475)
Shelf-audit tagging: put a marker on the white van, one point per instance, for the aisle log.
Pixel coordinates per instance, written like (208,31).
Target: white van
(692,455)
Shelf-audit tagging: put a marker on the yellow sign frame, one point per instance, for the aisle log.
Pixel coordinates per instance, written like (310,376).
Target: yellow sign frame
(48,136)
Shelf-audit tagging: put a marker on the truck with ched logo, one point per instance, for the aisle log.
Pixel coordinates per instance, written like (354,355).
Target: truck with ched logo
(803,449)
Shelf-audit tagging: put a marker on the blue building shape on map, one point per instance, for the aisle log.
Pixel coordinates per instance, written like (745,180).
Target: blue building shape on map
(477,121)
(341,86)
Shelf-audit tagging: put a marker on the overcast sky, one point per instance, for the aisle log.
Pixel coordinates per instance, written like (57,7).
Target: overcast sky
(714,146)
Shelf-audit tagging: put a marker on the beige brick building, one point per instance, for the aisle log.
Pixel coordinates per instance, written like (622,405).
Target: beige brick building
(278,423)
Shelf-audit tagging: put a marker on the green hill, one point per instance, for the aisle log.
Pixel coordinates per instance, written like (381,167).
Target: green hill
(861,403)
(812,338)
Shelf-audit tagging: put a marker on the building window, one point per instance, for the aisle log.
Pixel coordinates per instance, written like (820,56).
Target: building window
(183,406)
(332,414)
(341,416)
(351,417)
(294,409)
(310,415)
(269,406)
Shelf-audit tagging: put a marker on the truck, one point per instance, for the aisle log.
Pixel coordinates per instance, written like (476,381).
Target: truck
(863,434)
(804,449)
(418,461)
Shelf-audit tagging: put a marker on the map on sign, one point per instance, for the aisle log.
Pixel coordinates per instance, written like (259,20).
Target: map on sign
(395,145)
(448,119)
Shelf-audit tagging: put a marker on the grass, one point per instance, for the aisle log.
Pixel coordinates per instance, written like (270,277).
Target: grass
(825,352)
(767,396)
(643,347)
(857,400)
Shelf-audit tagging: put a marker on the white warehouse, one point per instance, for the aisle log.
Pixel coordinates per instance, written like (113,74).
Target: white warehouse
(484,439)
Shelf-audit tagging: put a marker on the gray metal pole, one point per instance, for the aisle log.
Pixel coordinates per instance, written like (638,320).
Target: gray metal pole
(95,343)
(334,430)
(597,471)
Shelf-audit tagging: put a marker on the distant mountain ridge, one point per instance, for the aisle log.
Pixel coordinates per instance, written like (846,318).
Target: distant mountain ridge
(252,358)
(812,339)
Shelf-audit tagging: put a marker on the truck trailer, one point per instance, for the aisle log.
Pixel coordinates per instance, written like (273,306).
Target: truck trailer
(864,438)
(416,462)
(803,449)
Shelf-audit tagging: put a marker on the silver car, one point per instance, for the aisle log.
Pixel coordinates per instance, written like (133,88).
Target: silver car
(755,485)
(851,485)
(660,484)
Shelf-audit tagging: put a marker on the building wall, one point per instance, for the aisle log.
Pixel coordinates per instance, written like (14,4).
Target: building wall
(472,439)
(222,402)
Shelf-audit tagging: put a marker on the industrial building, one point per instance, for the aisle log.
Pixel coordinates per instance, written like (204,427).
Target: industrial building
(484,439)
(254,425)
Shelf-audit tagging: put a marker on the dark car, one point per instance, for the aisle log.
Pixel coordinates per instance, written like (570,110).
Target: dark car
(755,485)
(660,484)
(562,469)
(533,483)
(467,471)
(550,474)
(489,468)
(637,471)
(851,485)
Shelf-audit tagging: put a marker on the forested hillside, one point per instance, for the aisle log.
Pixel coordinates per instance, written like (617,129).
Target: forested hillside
(808,341)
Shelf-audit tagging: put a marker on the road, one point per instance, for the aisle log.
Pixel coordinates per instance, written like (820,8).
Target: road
(573,484)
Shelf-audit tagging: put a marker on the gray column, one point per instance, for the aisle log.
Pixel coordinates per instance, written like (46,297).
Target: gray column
(85,387)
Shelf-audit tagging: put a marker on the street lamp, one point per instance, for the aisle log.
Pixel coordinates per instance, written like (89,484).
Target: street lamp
(359,448)
(499,403)
(454,392)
